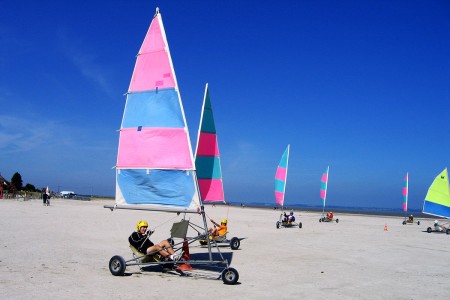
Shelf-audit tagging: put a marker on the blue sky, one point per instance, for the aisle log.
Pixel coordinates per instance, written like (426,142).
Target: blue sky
(362,86)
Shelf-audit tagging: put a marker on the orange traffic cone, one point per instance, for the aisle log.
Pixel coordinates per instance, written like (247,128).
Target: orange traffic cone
(185,256)
(385,227)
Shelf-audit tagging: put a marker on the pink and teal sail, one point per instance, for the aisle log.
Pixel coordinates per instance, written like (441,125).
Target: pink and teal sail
(155,164)
(207,156)
(281,177)
(405,193)
(324,186)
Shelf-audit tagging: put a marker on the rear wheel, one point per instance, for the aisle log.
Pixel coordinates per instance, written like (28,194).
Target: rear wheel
(300,225)
(117,265)
(337,220)
(448,231)
(235,243)
(320,220)
(418,222)
(230,276)
(404,223)
(429,229)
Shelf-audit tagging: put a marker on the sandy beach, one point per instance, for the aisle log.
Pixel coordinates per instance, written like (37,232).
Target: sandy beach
(62,252)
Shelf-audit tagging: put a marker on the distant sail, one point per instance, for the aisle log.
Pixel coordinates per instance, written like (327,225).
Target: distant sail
(207,156)
(281,177)
(405,193)
(155,165)
(324,186)
(437,201)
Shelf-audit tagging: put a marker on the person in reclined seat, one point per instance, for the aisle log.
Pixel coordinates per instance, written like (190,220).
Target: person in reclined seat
(218,230)
(140,240)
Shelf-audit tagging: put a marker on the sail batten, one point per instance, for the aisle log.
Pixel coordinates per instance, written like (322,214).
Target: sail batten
(155,165)
(437,200)
(281,177)
(207,156)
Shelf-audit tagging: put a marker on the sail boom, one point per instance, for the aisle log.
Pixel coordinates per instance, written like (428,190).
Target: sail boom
(152,208)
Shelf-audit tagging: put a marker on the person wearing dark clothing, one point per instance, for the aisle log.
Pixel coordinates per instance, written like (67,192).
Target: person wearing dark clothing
(140,239)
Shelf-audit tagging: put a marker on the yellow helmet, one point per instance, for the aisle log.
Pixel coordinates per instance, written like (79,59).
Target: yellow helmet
(141,224)
(224,221)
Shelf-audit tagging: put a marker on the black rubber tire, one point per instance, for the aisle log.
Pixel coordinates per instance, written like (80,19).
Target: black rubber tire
(230,276)
(447,231)
(418,222)
(235,243)
(117,265)
(337,220)
(300,225)
(429,230)
(320,220)
(404,223)
(278,224)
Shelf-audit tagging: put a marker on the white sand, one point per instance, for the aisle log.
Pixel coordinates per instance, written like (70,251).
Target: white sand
(62,252)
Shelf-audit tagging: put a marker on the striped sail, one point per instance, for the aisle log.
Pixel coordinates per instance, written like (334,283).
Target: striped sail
(281,177)
(154,162)
(207,156)
(324,186)
(437,200)
(405,193)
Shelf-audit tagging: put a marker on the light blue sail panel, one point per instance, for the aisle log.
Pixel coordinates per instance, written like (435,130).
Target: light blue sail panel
(208,167)
(153,109)
(436,209)
(280,185)
(161,187)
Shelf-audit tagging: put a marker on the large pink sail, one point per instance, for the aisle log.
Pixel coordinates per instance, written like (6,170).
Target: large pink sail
(324,186)
(207,157)
(405,193)
(281,177)
(155,165)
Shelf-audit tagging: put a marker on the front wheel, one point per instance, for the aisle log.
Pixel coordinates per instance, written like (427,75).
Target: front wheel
(278,224)
(418,222)
(404,223)
(235,243)
(337,220)
(320,220)
(300,225)
(448,231)
(230,276)
(117,265)
(429,230)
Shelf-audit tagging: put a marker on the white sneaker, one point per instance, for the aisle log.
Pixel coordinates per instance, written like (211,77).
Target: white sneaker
(175,257)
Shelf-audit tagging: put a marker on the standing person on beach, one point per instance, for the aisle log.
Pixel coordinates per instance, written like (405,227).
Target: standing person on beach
(44,198)
(140,240)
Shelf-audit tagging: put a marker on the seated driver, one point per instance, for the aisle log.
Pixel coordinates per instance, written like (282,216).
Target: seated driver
(411,218)
(218,230)
(330,215)
(291,217)
(141,241)
(438,227)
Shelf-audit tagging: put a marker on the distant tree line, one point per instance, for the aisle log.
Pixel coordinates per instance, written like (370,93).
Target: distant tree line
(16,184)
